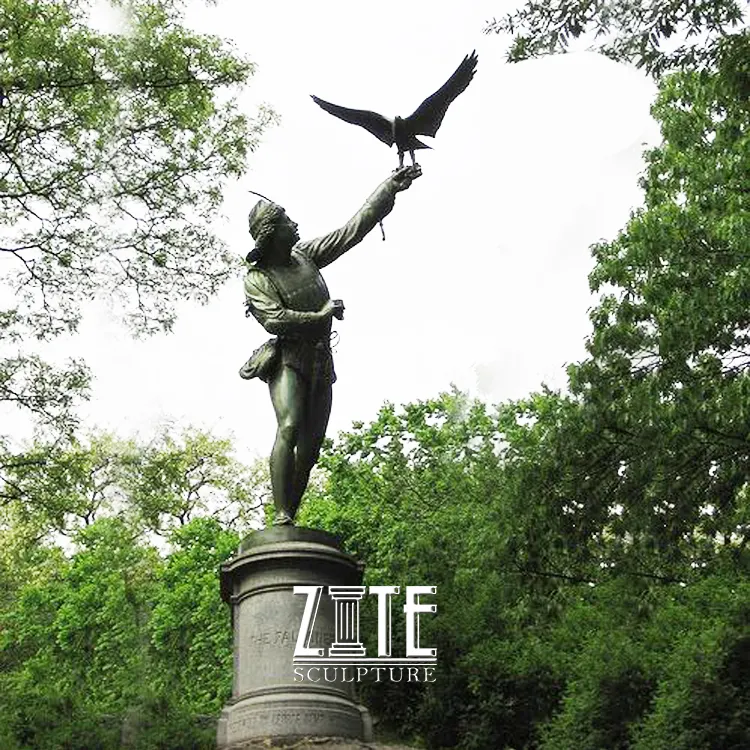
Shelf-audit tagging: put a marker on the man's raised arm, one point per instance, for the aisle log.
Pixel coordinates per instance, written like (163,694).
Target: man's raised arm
(326,249)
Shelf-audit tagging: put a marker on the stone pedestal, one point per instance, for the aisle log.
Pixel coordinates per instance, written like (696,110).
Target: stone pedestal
(258,583)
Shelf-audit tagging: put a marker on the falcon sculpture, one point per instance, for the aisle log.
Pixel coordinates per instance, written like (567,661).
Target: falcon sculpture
(425,120)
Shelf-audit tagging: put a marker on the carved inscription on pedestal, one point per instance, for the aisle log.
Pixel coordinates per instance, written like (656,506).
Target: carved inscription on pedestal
(287,638)
(249,720)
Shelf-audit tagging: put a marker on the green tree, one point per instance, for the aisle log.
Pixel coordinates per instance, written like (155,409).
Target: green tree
(156,486)
(653,35)
(107,639)
(72,643)
(415,495)
(190,626)
(651,446)
(68,485)
(114,150)
(173,479)
(637,480)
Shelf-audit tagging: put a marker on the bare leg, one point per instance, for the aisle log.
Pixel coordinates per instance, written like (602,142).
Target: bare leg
(413,160)
(401,159)
(317,412)
(288,398)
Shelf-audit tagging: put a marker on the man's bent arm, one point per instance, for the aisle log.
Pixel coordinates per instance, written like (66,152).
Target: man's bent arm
(326,249)
(268,310)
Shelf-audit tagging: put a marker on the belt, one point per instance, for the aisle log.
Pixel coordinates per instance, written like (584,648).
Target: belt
(322,343)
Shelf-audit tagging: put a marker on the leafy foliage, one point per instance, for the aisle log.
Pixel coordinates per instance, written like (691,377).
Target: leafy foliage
(170,480)
(157,486)
(112,642)
(189,631)
(114,150)
(656,36)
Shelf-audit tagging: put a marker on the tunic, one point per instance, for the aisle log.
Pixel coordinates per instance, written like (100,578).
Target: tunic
(284,298)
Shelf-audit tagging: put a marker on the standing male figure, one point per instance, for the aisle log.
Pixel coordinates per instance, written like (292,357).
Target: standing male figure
(287,295)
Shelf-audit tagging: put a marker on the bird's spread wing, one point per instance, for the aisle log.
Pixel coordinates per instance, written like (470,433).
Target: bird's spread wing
(381,127)
(428,116)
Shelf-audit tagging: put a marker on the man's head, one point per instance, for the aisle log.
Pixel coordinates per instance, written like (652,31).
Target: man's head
(272,230)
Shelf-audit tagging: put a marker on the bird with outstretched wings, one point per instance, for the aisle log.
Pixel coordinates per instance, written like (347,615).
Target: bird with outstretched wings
(425,120)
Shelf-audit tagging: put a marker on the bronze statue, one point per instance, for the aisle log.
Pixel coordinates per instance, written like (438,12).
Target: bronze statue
(286,294)
(425,120)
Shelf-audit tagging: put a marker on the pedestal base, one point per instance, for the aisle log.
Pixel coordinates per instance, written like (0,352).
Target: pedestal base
(268,699)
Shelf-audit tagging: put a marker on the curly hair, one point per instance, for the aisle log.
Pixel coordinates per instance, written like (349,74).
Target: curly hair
(263,231)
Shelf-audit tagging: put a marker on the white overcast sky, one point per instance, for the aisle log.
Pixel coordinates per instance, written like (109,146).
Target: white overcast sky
(482,280)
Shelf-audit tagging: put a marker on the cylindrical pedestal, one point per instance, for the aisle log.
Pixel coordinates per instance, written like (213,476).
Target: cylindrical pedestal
(266,615)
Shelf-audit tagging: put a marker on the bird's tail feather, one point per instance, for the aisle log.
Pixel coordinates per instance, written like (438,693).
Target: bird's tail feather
(415,144)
